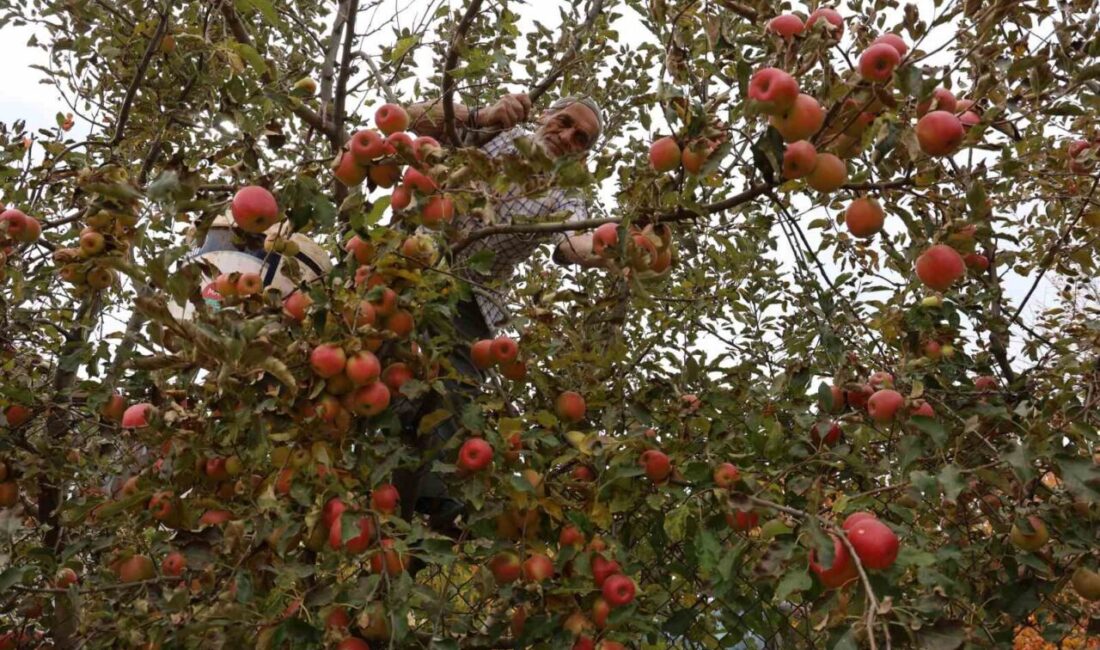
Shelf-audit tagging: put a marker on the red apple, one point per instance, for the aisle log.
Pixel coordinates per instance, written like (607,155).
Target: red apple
(426,147)
(832,434)
(137,416)
(570,406)
(401,197)
(976,261)
(939,133)
(296,305)
(940,266)
(400,143)
(475,455)
(352,643)
(514,370)
(334,507)
(786,25)
(385,499)
(922,408)
(254,209)
(884,405)
(571,536)
(618,590)
(366,146)
(400,323)
(391,118)
(1076,152)
(135,569)
(856,517)
(657,465)
(941,100)
(830,173)
(173,564)
(600,611)
(881,379)
(985,383)
(877,63)
(741,520)
(348,171)
(161,505)
(602,569)
(875,543)
(363,368)
(419,181)
(537,568)
(834,23)
(361,249)
(114,408)
(773,91)
(894,41)
(17,415)
(842,571)
(384,175)
(437,211)
(605,238)
(799,159)
(664,154)
(370,400)
(328,360)
(726,475)
(92,243)
(801,121)
(395,375)
(249,284)
(504,349)
(20,226)
(505,567)
(864,217)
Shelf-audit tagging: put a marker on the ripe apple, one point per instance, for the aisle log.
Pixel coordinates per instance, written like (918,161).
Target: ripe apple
(985,383)
(604,238)
(254,209)
(352,643)
(395,375)
(694,157)
(137,416)
(801,121)
(773,91)
(481,353)
(831,434)
(363,368)
(1030,541)
(17,415)
(400,143)
(437,211)
(842,570)
(571,536)
(830,173)
(884,405)
(922,408)
(401,197)
(939,133)
(881,379)
(225,285)
(976,262)
(1076,152)
(726,475)
(400,323)
(741,520)
(391,118)
(514,370)
(386,304)
(296,305)
(875,543)
(337,618)
(135,568)
(475,455)
(940,266)
(20,226)
(602,569)
(249,284)
(799,159)
(894,41)
(99,277)
(173,564)
(417,180)
(657,465)
(395,562)
(9,494)
(64,578)
(1086,583)
(161,505)
(385,499)
(348,171)
(504,349)
(505,567)
(92,243)
(328,360)
(969,119)
(537,568)
(618,590)
(361,249)
(583,473)
(367,146)
(570,406)
(941,100)
(114,408)
(834,23)
(664,154)
(354,545)
(600,611)
(384,175)
(370,400)
(786,25)
(425,148)
(877,63)
(851,520)
(864,217)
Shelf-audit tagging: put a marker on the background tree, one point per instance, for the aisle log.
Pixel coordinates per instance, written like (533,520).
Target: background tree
(818,307)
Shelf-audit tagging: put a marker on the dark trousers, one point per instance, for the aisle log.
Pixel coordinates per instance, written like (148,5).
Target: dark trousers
(423,491)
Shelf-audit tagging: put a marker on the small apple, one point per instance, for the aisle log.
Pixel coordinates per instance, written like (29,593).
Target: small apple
(173,564)
(537,568)
(941,100)
(864,217)
(726,474)
(328,360)
(842,571)
(618,590)
(877,63)
(773,91)
(894,41)
(801,121)
(296,305)
(939,133)
(370,400)
(875,543)
(137,416)
(437,211)
(884,405)
(799,159)
(475,455)
(657,465)
(391,118)
(833,22)
(570,406)
(505,567)
(664,154)
(786,25)
(249,284)
(363,368)
(940,266)
(1030,541)
(481,353)
(385,499)
(504,349)
(829,174)
(254,209)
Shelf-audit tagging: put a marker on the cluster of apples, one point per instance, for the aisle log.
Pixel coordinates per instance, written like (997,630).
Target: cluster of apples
(379,156)
(1081,155)
(649,250)
(666,154)
(502,352)
(16,227)
(877,396)
(876,545)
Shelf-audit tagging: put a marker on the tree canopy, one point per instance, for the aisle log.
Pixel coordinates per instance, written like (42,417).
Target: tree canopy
(840,272)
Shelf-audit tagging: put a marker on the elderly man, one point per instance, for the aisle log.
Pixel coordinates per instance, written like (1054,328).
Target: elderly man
(568,128)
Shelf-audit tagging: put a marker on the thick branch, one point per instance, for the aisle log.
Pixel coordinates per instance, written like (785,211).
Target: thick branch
(449,64)
(139,76)
(345,72)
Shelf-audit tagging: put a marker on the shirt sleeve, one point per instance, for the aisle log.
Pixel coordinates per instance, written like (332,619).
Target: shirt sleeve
(578,211)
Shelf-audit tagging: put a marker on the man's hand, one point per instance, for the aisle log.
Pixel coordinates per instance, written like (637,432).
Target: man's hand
(509,111)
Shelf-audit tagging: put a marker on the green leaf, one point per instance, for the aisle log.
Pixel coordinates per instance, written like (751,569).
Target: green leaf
(795,581)
(251,56)
(12,576)
(680,622)
(265,9)
(403,46)
(481,262)
(676,523)
(950,479)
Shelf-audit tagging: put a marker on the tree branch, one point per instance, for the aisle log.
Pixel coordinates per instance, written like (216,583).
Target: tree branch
(449,63)
(345,71)
(139,76)
(570,53)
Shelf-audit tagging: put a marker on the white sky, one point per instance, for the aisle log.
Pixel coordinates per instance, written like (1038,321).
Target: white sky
(22,96)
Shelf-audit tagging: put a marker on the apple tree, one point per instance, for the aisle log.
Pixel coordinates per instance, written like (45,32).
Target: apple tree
(830,379)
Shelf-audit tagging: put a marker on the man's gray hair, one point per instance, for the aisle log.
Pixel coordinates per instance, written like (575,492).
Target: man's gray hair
(566,102)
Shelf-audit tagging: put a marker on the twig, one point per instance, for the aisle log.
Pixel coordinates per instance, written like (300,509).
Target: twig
(387,90)
(139,75)
(449,63)
(92,590)
(570,53)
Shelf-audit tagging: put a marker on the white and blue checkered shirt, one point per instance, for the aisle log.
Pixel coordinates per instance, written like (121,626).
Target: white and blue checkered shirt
(511,249)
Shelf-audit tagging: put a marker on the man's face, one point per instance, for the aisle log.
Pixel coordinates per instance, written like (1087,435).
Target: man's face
(568,131)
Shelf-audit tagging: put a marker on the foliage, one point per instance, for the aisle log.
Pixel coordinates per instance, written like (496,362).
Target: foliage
(770,302)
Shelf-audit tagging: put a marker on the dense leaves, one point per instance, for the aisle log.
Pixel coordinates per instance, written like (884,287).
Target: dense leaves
(186,460)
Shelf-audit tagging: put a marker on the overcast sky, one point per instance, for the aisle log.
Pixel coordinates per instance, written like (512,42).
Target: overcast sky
(22,96)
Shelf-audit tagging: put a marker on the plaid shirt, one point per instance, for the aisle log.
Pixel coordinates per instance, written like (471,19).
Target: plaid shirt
(511,249)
